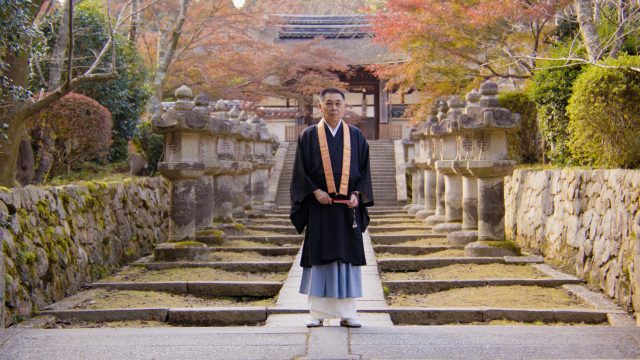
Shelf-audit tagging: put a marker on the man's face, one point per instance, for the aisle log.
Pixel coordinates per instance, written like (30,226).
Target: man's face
(332,106)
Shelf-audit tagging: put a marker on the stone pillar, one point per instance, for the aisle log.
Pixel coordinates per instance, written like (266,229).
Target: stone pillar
(204,191)
(436,131)
(489,126)
(453,181)
(263,162)
(417,191)
(183,163)
(409,159)
(223,180)
(469,232)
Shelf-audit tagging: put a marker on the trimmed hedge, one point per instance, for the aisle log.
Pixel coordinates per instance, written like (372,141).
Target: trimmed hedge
(604,115)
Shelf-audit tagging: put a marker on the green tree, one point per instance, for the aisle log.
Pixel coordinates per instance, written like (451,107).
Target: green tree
(125,97)
(552,89)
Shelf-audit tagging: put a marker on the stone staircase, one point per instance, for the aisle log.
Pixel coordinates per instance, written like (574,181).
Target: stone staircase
(383,174)
(413,277)
(283,198)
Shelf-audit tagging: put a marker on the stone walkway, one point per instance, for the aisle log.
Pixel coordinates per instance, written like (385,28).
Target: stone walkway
(400,342)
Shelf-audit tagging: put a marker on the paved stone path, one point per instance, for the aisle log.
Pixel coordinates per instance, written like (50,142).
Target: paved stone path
(400,342)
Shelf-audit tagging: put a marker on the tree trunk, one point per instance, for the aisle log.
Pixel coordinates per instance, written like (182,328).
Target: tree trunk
(584,12)
(619,35)
(59,50)
(166,50)
(135,22)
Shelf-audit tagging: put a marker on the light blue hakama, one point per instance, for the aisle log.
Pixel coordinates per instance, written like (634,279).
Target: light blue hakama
(336,280)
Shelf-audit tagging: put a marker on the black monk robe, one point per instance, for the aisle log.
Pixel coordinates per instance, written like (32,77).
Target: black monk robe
(330,235)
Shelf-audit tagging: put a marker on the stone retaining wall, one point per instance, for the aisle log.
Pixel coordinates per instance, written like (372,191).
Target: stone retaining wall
(584,221)
(55,239)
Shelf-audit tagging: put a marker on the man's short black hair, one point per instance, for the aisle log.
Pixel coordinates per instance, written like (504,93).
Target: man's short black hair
(332,90)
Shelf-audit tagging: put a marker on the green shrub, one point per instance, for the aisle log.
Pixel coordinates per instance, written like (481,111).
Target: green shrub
(524,144)
(551,91)
(604,115)
(150,145)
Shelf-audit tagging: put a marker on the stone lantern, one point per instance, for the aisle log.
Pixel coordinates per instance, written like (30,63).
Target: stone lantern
(469,232)
(205,186)
(417,190)
(263,162)
(429,157)
(447,130)
(409,160)
(225,149)
(489,125)
(436,132)
(183,162)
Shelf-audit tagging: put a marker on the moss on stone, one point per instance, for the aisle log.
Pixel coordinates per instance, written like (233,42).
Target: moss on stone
(505,244)
(216,233)
(238,226)
(188,243)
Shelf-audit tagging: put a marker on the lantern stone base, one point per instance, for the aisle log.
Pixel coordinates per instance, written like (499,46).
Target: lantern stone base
(462,238)
(491,249)
(414,209)
(446,228)
(423,214)
(434,220)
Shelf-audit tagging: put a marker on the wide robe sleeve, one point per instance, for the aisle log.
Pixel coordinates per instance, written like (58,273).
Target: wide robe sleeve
(301,184)
(363,185)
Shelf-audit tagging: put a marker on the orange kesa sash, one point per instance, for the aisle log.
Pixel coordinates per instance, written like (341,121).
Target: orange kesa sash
(326,159)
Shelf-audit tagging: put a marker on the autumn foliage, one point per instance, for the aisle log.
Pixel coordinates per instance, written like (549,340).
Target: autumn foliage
(453,45)
(80,128)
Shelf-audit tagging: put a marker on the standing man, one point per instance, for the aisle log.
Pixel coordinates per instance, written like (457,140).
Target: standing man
(330,190)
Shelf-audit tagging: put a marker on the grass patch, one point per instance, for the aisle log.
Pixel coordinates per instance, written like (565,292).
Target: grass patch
(184,244)
(469,272)
(438,254)
(93,172)
(140,274)
(425,242)
(246,244)
(519,297)
(131,299)
(249,256)
(400,232)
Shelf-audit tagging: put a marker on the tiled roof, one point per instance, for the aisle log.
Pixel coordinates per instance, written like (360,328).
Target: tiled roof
(327,26)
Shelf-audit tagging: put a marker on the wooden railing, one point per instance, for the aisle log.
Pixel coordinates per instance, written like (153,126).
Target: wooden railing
(291,132)
(390,132)
(387,132)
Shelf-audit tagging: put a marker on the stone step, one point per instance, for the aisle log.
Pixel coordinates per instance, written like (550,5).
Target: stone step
(273,239)
(284,229)
(212,316)
(406,264)
(409,250)
(200,288)
(253,267)
(443,316)
(432,286)
(396,239)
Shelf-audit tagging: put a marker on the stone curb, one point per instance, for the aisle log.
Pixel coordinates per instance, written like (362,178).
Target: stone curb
(409,250)
(157,314)
(207,288)
(441,316)
(217,316)
(616,315)
(432,286)
(253,267)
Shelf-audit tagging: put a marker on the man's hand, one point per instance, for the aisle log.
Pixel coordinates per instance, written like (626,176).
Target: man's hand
(353,201)
(322,197)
